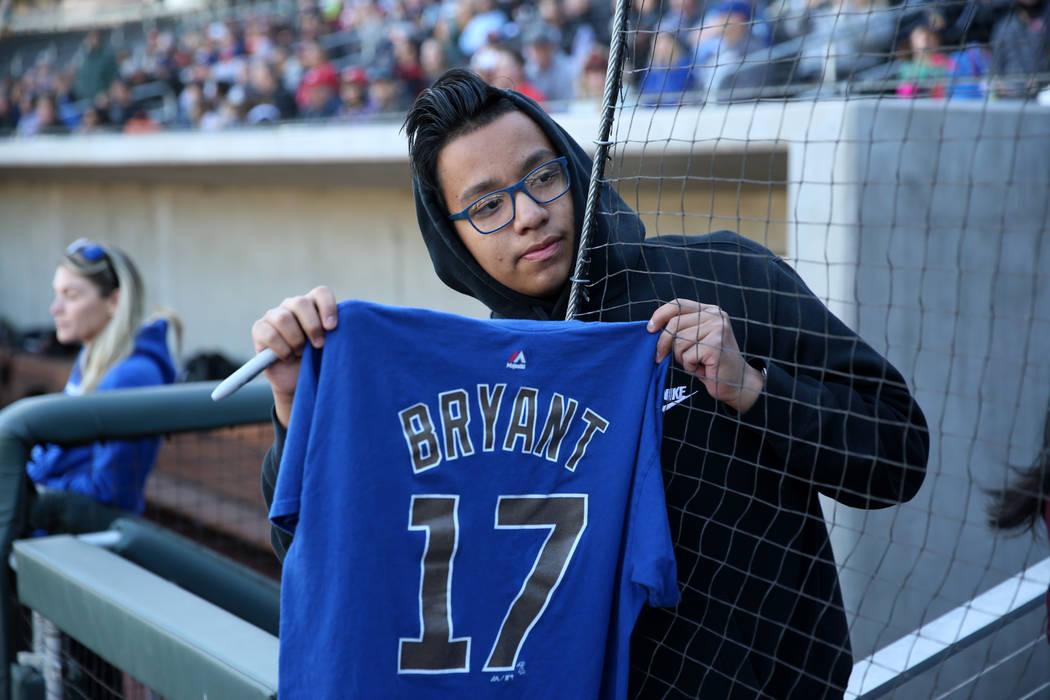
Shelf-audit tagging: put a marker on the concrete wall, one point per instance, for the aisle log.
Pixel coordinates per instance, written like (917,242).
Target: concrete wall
(935,247)
(226,225)
(221,255)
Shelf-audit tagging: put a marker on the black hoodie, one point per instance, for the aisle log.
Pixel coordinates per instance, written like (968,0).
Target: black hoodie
(761,613)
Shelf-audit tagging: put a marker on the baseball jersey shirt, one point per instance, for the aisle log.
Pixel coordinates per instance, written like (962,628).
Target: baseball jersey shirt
(477,508)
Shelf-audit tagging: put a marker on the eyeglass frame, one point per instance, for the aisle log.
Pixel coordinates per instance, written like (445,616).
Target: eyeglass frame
(512,190)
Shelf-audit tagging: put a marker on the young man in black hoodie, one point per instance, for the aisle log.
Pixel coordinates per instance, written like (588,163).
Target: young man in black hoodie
(771,399)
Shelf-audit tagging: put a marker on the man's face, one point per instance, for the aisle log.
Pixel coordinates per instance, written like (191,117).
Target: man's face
(533,253)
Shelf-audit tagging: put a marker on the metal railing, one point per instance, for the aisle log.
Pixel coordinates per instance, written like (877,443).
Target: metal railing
(937,641)
(116,415)
(163,635)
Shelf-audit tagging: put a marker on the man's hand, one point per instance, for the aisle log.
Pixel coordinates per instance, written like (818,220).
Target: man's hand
(286,329)
(702,340)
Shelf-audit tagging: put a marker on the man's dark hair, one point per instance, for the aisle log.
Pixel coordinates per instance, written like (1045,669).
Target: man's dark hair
(457,103)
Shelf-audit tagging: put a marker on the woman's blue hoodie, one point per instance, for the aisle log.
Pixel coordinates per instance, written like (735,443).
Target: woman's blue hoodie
(111,471)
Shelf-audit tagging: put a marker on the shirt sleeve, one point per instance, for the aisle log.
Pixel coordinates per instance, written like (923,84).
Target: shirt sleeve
(284,511)
(650,551)
(649,548)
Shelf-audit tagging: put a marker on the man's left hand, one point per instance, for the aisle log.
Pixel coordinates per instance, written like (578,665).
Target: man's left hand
(703,343)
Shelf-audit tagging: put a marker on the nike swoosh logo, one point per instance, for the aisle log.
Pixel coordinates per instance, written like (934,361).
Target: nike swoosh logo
(674,403)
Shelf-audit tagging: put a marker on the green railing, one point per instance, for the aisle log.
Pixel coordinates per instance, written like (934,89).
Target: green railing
(126,414)
(177,643)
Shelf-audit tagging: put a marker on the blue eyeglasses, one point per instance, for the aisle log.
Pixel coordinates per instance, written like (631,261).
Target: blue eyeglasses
(495,210)
(89,250)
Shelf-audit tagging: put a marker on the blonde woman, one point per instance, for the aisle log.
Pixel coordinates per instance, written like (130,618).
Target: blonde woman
(99,304)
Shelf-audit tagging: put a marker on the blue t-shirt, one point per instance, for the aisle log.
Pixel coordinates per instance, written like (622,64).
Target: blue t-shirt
(478,508)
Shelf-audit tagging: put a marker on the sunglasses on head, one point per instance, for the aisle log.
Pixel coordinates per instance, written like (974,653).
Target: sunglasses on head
(89,250)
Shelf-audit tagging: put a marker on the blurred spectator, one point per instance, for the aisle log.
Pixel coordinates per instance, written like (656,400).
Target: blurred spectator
(501,67)
(832,39)
(353,94)
(585,23)
(852,34)
(486,21)
(42,119)
(433,59)
(311,24)
(722,42)
(158,59)
(221,112)
(264,88)
(407,67)
(98,67)
(669,74)
(25,103)
(590,85)
(141,123)
(312,58)
(1020,48)
(934,72)
(644,18)
(257,40)
(385,94)
(8,113)
(226,51)
(320,88)
(192,105)
(90,121)
(287,68)
(368,22)
(121,106)
(446,30)
(683,16)
(959,23)
(546,67)
(64,102)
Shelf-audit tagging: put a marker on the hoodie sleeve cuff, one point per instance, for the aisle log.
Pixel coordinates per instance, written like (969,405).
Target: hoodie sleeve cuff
(771,412)
(272,460)
(279,434)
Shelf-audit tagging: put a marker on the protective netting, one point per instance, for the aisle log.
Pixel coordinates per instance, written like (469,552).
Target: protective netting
(896,155)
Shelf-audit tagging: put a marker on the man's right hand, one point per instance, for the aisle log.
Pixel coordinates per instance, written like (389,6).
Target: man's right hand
(286,329)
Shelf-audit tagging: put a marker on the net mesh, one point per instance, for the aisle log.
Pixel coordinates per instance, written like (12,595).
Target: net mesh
(896,156)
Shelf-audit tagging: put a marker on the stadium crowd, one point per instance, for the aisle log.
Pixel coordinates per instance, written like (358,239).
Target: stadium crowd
(351,60)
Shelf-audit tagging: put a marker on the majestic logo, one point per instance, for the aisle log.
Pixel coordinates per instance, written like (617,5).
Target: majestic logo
(675,396)
(517,360)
